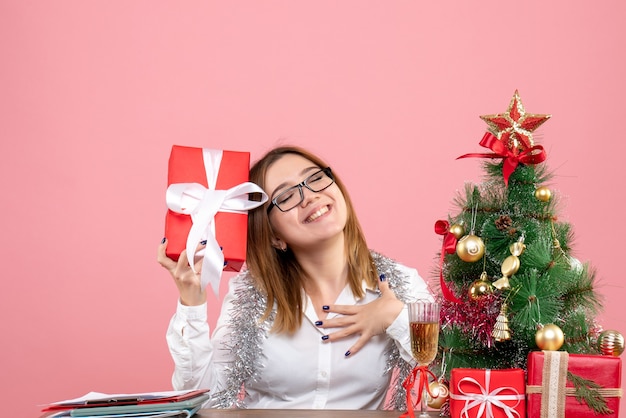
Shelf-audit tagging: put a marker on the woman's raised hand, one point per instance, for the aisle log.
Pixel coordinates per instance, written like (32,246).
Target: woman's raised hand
(187,281)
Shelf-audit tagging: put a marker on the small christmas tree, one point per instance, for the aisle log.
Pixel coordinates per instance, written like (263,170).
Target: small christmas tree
(508,281)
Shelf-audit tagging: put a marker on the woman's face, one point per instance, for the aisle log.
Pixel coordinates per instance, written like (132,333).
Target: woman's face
(318,219)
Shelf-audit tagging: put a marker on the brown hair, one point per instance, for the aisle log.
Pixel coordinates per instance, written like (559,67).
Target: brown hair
(276,272)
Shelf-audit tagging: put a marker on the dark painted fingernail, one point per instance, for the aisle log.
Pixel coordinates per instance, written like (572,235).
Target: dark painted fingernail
(163,240)
(382,278)
(324,337)
(325,307)
(221,248)
(347,353)
(318,323)
(225,262)
(203,242)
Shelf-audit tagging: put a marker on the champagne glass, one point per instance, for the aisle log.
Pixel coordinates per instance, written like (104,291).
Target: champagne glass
(424,327)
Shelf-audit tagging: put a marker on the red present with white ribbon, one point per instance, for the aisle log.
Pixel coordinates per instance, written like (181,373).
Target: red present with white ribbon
(551,391)
(476,393)
(208,198)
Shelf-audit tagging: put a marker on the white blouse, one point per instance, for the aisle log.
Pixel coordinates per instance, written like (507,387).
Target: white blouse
(300,370)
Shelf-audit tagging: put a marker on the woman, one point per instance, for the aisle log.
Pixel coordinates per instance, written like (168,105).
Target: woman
(336,325)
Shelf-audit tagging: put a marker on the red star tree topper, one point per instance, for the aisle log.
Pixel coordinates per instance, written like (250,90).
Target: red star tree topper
(514,127)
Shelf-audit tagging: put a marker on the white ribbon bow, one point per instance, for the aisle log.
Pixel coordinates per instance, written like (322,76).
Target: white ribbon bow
(485,399)
(202,204)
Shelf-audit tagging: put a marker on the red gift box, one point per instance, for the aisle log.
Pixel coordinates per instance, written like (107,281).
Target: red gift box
(549,388)
(216,184)
(476,393)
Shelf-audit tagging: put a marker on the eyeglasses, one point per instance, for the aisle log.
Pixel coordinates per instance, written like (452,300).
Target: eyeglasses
(289,199)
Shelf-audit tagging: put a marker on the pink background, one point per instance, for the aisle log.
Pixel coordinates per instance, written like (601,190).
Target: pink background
(94,93)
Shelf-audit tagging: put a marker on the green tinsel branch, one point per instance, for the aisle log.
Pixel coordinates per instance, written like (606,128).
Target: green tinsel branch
(582,292)
(587,391)
(534,302)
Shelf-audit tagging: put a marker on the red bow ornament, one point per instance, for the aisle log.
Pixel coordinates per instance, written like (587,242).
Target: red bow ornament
(448,247)
(512,157)
(422,386)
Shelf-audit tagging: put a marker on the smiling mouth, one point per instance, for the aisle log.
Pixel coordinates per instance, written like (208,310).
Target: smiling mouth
(317,214)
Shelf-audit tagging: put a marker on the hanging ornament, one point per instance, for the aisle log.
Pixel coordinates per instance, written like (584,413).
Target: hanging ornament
(575,264)
(557,251)
(510,265)
(502,283)
(501,328)
(480,288)
(518,247)
(471,248)
(458,230)
(549,337)
(558,254)
(611,343)
(440,392)
(543,194)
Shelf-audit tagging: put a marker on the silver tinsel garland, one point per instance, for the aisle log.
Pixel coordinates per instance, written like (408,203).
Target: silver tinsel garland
(399,283)
(248,333)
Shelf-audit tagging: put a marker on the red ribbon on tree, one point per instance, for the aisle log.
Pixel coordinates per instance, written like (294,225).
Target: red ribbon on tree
(448,247)
(409,383)
(512,158)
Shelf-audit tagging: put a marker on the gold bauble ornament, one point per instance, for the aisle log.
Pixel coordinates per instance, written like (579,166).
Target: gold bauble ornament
(549,337)
(470,248)
(458,230)
(543,194)
(440,392)
(611,343)
(480,288)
